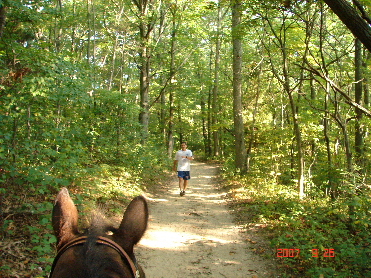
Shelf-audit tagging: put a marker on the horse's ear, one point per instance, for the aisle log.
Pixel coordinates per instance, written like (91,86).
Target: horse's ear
(65,218)
(134,223)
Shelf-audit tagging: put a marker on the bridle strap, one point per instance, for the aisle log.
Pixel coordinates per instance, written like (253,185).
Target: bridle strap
(100,240)
(121,251)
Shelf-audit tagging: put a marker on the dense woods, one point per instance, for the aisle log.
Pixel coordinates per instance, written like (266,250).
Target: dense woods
(97,95)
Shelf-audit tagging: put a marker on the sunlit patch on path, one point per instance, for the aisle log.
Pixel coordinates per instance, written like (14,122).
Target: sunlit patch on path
(194,235)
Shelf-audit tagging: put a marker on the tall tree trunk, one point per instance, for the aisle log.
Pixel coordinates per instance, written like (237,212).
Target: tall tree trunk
(253,127)
(58,27)
(145,29)
(331,187)
(239,133)
(358,137)
(180,121)
(285,81)
(326,127)
(3,12)
(297,134)
(170,137)
(309,23)
(204,126)
(163,121)
(114,50)
(366,90)
(209,149)
(144,84)
(358,144)
(88,17)
(215,106)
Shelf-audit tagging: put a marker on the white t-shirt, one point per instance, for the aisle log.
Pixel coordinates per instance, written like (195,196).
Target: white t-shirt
(184,164)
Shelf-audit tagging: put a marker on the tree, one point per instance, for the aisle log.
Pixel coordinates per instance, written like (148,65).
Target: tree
(359,25)
(172,70)
(147,19)
(284,79)
(3,11)
(239,133)
(215,90)
(358,90)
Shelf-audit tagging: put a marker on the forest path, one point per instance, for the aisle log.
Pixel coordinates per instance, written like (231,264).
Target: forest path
(194,235)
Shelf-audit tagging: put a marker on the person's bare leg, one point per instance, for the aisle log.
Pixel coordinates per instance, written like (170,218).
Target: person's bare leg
(185,184)
(181,184)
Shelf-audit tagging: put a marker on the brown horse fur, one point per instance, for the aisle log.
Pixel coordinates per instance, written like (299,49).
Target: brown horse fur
(91,260)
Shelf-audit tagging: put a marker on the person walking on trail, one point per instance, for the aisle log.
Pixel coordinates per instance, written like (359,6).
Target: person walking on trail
(182,164)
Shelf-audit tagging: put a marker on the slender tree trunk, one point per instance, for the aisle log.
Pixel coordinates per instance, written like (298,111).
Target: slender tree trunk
(57,28)
(358,144)
(88,17)
(358,138)
(73,30)
(299,148)
(348,151)
(163,121)
(215,106)
(310,20)
(349,158)
(29,127)
(204,126)
(144,85)
(366,90)
(170,138)
(285,81)
(209,116)
(3,12)
(113,65)
(344,128)
(180,121)
(14,140)
(331,187)
(252,132)
(326,128)
(145,30)
(118,18)
(239,133)
(253,126)
(295,118)
(209,147)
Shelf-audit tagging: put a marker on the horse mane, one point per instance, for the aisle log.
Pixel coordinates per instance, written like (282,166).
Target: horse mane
(99,225)
(97,261)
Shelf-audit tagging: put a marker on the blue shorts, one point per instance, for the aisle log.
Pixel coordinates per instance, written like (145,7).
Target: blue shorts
(184,175)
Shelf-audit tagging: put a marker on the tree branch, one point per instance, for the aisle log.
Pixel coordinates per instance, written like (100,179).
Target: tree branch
(350,17)
(362,10)
(333,85)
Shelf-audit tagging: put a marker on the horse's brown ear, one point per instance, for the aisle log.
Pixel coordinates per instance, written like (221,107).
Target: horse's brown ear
(65,218)
(134,223)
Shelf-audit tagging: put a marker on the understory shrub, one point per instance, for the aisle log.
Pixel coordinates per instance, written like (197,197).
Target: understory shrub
(312,236)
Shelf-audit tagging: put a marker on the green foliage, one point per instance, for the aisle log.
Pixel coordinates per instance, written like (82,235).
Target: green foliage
(316,226)
(107,187)
(42,238)
(69,95)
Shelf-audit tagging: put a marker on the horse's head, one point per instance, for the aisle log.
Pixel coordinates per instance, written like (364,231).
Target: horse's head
(103,252)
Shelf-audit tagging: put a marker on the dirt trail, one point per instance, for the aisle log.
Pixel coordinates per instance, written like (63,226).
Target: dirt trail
(194,235)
